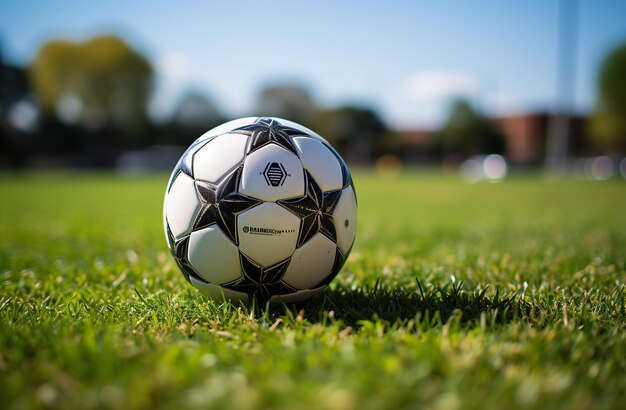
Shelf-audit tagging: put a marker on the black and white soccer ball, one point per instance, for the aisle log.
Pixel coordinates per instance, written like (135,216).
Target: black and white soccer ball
(260,208)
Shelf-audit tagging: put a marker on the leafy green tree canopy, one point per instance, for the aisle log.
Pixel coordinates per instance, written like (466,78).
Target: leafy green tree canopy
(194,114)
(196,110)
(96,83)
(467,132)
(609,120)
(290,101)
(356,131)
(350,124)
(13,84)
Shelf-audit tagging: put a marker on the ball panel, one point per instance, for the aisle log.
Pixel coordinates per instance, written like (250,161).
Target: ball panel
(345,172)
(186,161)
(181,205)
(217,157)
(298,127)
(340,259)
(271,173)
(320,162)
(261,282)
(167,230)
(311,263)
(267,233)
(296,296)
(179,251)
(345,219)
(227,127)
(213,255)
(169,236)
(219,293)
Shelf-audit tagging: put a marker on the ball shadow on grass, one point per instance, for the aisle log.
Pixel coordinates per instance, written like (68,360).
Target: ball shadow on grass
(430,306)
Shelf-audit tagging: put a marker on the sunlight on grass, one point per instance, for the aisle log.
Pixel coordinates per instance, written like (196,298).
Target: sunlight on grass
(454,296)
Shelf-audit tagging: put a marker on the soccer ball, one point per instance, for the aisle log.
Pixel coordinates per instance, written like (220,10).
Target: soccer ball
(260,208)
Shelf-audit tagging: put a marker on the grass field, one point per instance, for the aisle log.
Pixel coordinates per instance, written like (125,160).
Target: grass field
(455,296)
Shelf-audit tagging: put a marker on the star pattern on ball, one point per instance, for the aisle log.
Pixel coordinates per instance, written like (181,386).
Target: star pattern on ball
(185,163)
(222,203)
(266,131)
(179,250)
(262,283)
(315,209)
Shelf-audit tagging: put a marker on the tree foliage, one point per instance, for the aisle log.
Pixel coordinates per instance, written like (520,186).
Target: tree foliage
(355,130)
(467,132)
(289,101)
(98,83)
(13,85)
(609,120)
(194,114)
(349,124)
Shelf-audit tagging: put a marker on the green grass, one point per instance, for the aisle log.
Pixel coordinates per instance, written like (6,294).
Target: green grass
(454,296)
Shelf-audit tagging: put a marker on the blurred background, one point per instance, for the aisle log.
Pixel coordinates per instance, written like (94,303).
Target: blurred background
(482,88)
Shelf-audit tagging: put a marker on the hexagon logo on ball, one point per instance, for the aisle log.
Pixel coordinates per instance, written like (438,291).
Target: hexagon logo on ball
(272,173)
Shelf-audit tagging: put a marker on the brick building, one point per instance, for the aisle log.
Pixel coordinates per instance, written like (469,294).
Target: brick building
(525,138)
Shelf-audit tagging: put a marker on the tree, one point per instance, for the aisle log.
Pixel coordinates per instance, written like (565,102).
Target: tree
(289,101)
(466,132)
(101,83)
(17,115)
(13,85)
(195,114)
(608,124)
(356,131)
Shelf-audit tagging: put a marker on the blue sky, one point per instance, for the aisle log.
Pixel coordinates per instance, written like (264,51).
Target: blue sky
(404,58)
